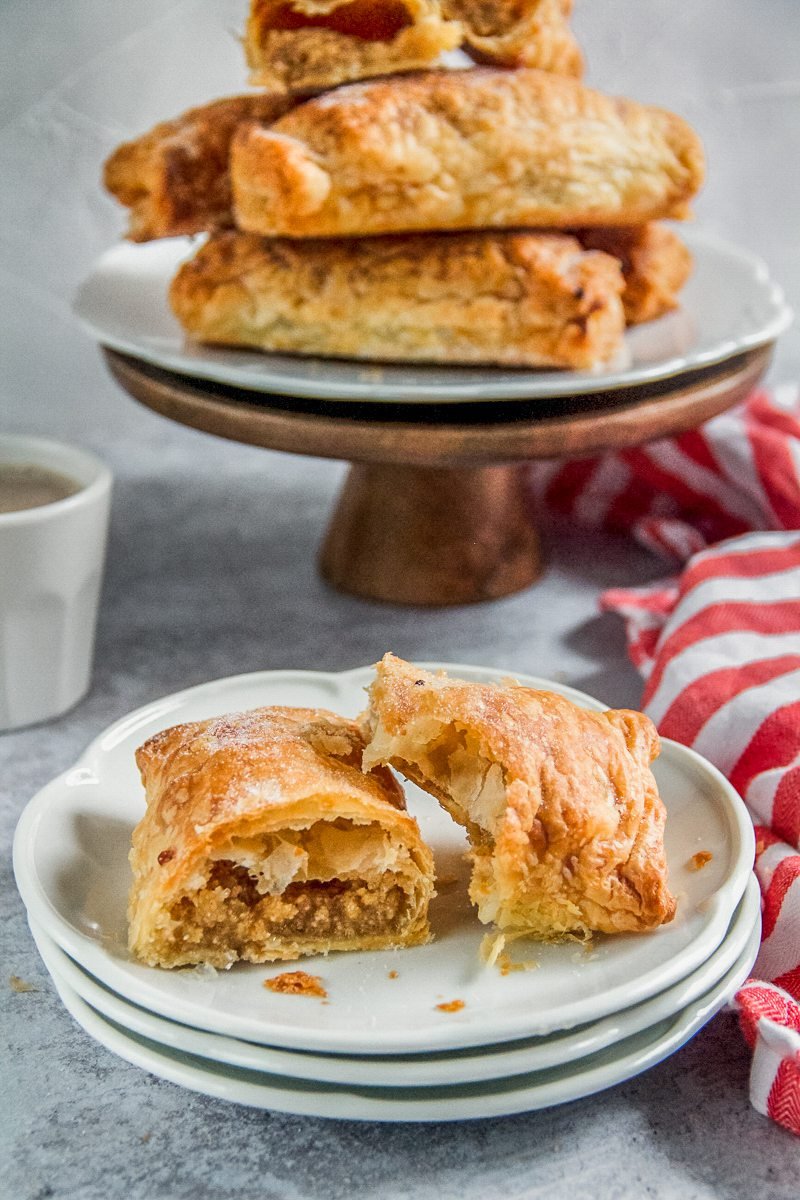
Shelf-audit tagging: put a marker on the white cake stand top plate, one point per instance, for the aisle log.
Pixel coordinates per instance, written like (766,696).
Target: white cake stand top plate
(729,306)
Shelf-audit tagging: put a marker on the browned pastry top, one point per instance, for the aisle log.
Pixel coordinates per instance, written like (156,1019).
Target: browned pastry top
(207,774)
(532,299)
(559,801)
(462,149)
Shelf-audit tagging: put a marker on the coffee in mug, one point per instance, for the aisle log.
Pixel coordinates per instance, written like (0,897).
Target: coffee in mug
(28,485)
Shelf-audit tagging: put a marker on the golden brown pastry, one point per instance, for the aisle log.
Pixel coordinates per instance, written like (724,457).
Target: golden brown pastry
(462,149)
(514,298)
(310,45)
(263,840)
(519,33)
(559,803)
(655,266)
(175,179)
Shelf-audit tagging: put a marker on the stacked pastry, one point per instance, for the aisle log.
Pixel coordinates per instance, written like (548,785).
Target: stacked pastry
(370,203)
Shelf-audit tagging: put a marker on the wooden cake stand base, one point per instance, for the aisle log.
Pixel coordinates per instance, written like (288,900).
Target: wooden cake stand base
(435,510)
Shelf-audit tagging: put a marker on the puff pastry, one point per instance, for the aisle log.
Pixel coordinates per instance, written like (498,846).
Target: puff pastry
(519,33)
(514,298)
(462,149)
(559,803)
(263,840)
(175,179)
(655,266)
(310,45)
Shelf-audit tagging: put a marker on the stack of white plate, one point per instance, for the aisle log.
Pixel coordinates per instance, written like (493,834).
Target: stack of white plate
(576,1020)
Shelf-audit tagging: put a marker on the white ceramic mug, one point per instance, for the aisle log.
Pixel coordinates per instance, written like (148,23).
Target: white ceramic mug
(51,569)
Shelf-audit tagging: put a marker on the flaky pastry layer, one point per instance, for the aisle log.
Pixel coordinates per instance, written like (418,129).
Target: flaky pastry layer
(513,298)
(310,45)
(175,179)
(655,266)
(559,803)
(463,149)
(263,840)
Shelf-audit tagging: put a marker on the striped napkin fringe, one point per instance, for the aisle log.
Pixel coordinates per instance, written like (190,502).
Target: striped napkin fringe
(718,645)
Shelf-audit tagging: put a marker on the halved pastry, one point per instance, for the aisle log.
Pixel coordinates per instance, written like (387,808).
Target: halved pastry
(517,298)
(562,811)
(485,148)
(655,266)
(263,840)
(310,45)
(175,178)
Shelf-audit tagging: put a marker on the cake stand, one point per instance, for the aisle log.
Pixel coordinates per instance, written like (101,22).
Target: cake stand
(435,509)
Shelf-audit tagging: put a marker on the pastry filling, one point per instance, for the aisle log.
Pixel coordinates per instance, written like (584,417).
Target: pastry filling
(277,895)
(362,19)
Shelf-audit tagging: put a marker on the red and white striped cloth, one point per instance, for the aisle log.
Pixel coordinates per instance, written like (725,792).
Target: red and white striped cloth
(719,648)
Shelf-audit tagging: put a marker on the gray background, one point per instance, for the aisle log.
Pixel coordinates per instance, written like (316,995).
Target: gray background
(211,572)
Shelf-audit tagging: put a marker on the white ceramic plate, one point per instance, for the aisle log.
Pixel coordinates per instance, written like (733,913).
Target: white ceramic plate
(501,1097)
(70,859)
(513,1058)
(729,305)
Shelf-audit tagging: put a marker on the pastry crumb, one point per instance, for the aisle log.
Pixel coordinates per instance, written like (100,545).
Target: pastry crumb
(699,860)
(19,985)
(493,954)
(297,983)
(203,971)
(506,964)
(393,975)
(490,947)
(585,942)
(449,1006)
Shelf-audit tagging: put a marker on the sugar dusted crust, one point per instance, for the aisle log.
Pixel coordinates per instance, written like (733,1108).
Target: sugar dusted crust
(519,299)
(263,840)
(310,45)
(559,803)
(175,179)
(462,149)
